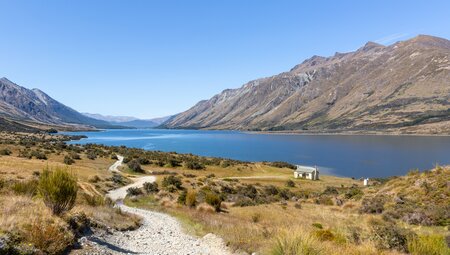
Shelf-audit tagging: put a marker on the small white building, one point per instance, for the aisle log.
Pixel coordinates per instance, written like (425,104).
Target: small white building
(307,172)
(366,182)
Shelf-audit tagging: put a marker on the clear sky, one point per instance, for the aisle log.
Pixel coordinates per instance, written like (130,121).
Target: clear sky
(156,58)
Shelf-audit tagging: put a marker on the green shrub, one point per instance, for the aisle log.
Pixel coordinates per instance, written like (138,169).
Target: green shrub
(387,235)
(5,152)
(182,197)
(191,198)
(317,225)
(58,189)
(38,155)
(135,166)
(134,191)
(194,165)
(172,180)
(75,155)
(91,155)
(428,245)
(290,184)
(213,200)
(330,191)
(354,193)
(151,187)
(68,160)
(324,200)
(372,205)
(281,164)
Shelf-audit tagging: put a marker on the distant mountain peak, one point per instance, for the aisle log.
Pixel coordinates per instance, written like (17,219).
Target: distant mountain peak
(429,41)
(369,46)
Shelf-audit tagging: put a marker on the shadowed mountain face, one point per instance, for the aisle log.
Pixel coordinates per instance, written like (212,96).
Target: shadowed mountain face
(20,104)
(403,87)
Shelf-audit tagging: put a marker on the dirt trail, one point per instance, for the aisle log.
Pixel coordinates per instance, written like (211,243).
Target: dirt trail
(159,234)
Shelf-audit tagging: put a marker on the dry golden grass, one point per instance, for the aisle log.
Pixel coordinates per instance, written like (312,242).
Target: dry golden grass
(108,216)
(34,222)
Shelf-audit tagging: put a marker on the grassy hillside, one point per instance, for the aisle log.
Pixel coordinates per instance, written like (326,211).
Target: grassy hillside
(254,207)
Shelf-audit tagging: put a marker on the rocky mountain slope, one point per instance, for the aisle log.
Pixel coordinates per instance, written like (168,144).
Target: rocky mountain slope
(404,87)
(24,106)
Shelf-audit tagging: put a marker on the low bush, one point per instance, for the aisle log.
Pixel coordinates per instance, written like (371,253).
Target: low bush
(373,205)
(317,225)
(193,165)
(49,237)
(354,193)
(68,160)
(182,197)
(135,166)
(387,235)
(134,191)
(151,187)
(75,155)
(213,200)
(290,184)
(280,164)
(58,189)
(5,152)
(172,180)
(91,155)
(191,199)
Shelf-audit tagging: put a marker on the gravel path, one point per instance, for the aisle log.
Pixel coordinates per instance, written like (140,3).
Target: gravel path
(160,234)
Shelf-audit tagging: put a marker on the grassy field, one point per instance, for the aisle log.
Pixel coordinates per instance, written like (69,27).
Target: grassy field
(254,207)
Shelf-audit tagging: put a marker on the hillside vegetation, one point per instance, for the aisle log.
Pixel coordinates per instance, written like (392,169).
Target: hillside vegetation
(253,206)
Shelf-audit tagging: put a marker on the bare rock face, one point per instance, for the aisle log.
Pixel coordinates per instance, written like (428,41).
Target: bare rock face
(404,87)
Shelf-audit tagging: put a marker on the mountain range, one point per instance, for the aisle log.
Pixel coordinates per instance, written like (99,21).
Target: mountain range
(400,88)
(129,121)
(403,87)
(23,109)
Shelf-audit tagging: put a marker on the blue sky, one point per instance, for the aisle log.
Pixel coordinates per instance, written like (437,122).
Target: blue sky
(155,58)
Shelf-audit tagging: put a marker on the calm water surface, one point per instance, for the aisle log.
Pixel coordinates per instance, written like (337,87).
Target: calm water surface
(341,155)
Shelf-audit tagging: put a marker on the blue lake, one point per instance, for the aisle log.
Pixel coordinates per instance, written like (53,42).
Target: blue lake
(341,155)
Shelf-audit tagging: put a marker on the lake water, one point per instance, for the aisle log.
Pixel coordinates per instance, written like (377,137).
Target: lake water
(341,155)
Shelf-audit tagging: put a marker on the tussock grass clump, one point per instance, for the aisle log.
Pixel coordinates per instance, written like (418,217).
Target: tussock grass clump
(58,189)
(94,200)
(429,245)
(31,223)
(151,187)
(296,243)
(387,235)
(213,200)
(27,188)
(191,198)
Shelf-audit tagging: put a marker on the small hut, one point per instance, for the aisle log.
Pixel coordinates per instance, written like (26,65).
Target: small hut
(307,172)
